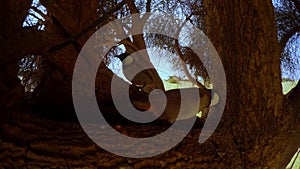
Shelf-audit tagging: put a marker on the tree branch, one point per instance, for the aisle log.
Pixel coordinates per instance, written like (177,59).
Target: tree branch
(38,41)
(13,49)
(87,29)
(286,38)
(183,64)
(35,9)
(148,6)
(132,7)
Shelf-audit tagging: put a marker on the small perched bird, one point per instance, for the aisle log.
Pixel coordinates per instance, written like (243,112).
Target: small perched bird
(123,56)
(133,67)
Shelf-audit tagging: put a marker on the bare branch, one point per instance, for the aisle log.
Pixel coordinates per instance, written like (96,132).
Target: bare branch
(39,19)
(38,11)
(183,64)
(148,6)
(130,46)
(133,9)
(286,38)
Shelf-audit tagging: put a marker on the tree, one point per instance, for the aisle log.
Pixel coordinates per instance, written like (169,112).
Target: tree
(246,51)
(259,128)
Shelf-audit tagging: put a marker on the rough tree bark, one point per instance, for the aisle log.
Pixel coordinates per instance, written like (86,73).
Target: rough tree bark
(255,121)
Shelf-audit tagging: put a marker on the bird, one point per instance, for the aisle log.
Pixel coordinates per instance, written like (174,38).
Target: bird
(174,102)
(123,56)
(133,67)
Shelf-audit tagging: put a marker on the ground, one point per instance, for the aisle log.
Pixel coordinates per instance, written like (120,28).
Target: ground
(29,142)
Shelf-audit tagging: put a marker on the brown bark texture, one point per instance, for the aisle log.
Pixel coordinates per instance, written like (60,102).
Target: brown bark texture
(244,34)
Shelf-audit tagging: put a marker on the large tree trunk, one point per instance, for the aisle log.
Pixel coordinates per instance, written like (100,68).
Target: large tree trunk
(244,34)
